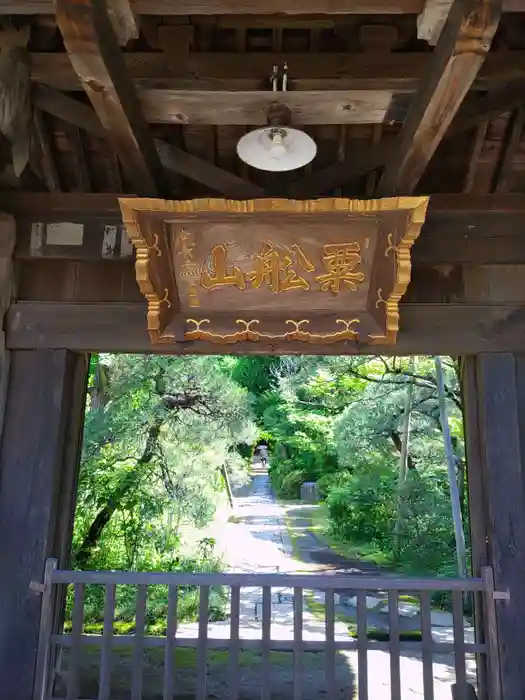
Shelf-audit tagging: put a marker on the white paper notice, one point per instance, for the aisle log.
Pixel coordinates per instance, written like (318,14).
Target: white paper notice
(65,233)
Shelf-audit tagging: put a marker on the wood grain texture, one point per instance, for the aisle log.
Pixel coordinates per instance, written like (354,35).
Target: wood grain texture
(165,286)
(251,108)
(459,54)
(240,7)
(93,48)
(123,20)
(7,285)
(251,7)
(471,115)
(174,159)
(500,393)
(33,467)
(453,329)
(396,72)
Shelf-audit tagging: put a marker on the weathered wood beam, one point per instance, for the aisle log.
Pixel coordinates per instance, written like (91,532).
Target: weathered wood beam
(431,20)
(453,329)
(79,178)
(459,229)
(502,179)
(461,49)
(477,147)
(251,7)
(241,7)
(173,159)
(49,170)
(395,72)
(124,21)
(7,286)
(49,204)
(94,51)
(472,114)
(251,108)
(449,237)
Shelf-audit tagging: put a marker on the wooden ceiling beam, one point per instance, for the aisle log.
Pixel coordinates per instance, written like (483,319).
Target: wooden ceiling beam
(93,48)
(473,114)
(173,159)
(251,7)
(397,72)
(459,54)
(448,329)
(307,107)
(124,21)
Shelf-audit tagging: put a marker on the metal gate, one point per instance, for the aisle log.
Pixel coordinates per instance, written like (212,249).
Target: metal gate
(299,617)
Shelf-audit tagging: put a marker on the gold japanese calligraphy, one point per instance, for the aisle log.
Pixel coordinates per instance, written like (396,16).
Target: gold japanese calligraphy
(219,275)
(340,261)
(280,269)
(273,271)
(189,269)
(277,271)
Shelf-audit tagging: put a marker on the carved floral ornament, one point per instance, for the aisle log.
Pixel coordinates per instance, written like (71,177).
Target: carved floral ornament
(281,273)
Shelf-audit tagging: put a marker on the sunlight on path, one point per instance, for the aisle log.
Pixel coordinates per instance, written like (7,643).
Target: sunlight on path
(258,542)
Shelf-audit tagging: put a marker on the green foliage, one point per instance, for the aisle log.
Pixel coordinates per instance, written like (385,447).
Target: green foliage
(338,421)
(362,506)
(380,635)
(157,432)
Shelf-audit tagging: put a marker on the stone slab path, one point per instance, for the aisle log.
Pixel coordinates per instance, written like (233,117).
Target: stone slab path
(258,541)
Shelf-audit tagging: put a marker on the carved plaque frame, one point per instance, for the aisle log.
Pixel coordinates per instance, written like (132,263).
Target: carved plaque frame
(342,264)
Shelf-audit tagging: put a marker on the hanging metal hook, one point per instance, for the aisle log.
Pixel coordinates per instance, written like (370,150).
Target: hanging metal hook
(274,78)
(285,77)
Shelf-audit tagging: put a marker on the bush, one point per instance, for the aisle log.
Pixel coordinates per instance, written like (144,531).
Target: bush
(285,479)
(361,507)
(378,635)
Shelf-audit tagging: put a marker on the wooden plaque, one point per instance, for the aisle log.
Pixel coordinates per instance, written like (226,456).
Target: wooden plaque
(322,271)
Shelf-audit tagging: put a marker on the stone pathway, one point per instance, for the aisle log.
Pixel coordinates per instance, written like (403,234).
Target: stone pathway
(258,542)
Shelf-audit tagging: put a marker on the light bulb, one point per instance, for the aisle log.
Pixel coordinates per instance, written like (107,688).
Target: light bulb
(277,149)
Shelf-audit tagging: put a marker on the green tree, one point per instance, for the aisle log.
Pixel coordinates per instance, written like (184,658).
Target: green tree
(158,432)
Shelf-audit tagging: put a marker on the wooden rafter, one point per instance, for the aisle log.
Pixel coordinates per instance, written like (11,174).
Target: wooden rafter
(512,142)
(251,7)
(431,20)
(459,54)
(251,108)
(94,51)
(48,167)
(397,72)
(355,165)
(123,19)
(173,159)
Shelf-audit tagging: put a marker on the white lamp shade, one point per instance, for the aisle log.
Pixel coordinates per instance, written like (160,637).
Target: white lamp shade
(276,148)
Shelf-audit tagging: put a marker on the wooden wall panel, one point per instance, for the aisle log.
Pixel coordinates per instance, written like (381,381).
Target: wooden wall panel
(496,461)
(38,464)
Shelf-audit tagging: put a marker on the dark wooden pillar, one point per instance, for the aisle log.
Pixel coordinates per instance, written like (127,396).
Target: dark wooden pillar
(494,385)
(38,468)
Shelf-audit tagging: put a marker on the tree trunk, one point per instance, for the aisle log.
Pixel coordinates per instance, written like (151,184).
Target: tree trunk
(461,554)
(403,462)
(225,476)
(102,518)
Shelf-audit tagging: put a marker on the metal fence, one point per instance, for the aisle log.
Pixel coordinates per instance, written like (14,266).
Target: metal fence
(309,597)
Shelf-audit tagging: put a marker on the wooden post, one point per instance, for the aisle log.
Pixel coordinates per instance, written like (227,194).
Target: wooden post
(7,244)
(494,385)
(38,466)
